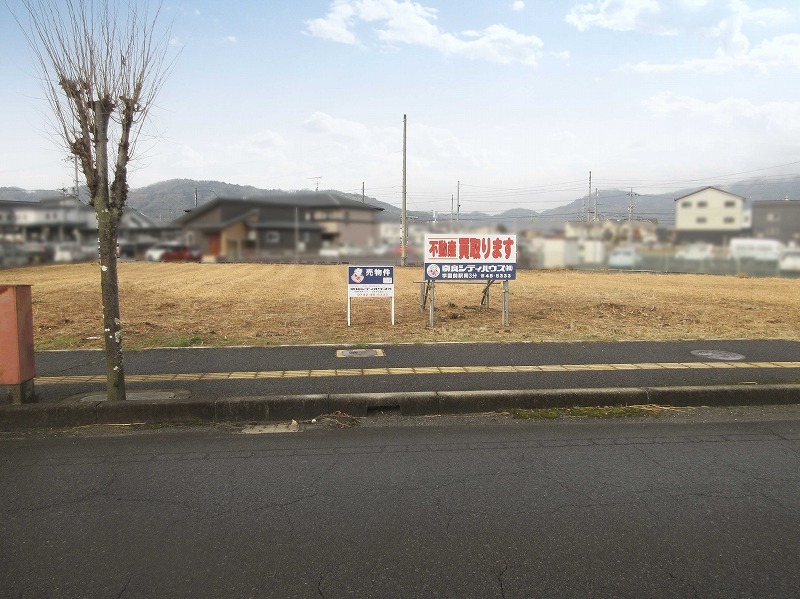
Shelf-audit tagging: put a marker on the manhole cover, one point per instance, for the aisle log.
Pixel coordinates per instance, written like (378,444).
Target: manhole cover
(717,354)
(137,395)
(359,353)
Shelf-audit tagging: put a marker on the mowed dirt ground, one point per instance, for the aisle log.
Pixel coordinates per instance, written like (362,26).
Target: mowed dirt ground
(268,304)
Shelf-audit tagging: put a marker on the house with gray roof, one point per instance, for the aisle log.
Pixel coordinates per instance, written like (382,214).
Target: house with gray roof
(281,224)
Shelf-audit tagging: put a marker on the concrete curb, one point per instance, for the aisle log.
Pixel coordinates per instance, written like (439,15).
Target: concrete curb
(304,407)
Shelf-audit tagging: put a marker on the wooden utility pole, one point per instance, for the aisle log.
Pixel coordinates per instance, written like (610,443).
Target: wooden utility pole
(458,201)
(631,204)
(296,235)
(596,198)
(404,216)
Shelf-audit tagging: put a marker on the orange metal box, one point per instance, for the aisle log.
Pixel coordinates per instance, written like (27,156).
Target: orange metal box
(16,335)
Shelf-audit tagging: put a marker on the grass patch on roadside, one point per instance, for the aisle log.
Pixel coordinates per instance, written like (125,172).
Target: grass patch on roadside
(184,341)
(588,412)
(65,342)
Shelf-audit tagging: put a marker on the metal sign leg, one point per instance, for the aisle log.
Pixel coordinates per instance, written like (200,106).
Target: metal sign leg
(505,303)
(432,294)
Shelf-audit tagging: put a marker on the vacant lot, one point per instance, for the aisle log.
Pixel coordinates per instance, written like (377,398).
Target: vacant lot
(255,304)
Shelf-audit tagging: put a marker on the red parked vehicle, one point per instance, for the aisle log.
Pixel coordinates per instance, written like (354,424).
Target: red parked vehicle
(182,253)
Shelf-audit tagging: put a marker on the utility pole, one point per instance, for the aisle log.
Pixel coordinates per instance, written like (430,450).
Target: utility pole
(363,197)
(596,198)
(317,180)
(452,200)
(589,198)
(458,202)
(296,235)
(404,223)
(631,204)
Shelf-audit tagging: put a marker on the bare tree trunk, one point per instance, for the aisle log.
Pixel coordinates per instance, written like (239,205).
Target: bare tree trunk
(108,217)
(112,326)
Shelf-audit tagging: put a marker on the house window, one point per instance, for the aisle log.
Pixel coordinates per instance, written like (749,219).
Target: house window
(701,220)
(273,237)
(729,220)
(730,204)
(686,204)
(702,204)
(773,217)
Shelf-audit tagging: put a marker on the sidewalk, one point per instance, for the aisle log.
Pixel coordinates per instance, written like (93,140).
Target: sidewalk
(206,385)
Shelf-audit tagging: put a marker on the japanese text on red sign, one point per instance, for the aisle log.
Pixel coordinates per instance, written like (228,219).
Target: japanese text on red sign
(471,248)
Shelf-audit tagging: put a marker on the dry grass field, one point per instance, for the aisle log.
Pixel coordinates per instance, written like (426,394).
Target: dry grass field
(265,304)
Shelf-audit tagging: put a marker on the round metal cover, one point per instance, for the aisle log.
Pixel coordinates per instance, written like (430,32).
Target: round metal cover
(717,354)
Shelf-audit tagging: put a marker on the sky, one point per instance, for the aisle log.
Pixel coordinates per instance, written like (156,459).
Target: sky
(509,104)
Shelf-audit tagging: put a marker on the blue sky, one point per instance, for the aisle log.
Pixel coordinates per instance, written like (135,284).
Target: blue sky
(517,100)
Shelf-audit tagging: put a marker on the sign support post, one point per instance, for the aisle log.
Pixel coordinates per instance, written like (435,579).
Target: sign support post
(505,303)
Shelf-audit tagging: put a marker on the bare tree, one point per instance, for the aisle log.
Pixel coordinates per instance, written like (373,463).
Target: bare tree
(101,62)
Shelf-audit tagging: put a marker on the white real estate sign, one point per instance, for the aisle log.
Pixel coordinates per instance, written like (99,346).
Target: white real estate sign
(370,281)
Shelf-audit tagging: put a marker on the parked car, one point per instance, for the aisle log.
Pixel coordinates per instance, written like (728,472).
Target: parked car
(155,252)
(38,253)
(624,257)
(13,255)
(760,250)
(182,253)
(790,262)
(697,252)
(72,252)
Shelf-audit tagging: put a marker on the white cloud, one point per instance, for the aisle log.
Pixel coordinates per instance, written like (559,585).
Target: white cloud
(617,15)
(231,39)
(518,5)
(335,26)
(340,129)
(405,22)
(736,53)
(784,116)
(735,50)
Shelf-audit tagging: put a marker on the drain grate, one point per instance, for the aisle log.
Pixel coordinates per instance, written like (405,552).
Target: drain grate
(359,353)
(717,354)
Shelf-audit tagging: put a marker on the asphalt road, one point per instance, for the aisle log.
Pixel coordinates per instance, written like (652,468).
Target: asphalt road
(587,509)
(483,366)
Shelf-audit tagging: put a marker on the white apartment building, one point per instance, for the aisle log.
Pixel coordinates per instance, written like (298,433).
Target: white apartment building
(710,215)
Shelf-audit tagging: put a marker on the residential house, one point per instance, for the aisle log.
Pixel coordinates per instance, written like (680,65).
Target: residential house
(709,215)
(777,219)
(279,225)
(66,220)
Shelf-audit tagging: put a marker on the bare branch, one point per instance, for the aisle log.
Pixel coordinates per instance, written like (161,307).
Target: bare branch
(101,62)
(107,51)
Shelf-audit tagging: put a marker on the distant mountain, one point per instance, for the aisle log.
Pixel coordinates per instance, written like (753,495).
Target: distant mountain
(167,200)
(16,194)
(613,204)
